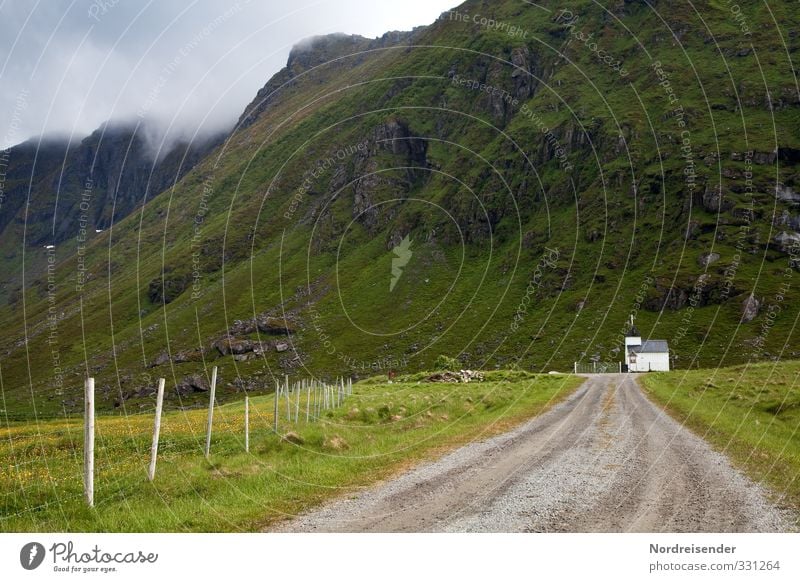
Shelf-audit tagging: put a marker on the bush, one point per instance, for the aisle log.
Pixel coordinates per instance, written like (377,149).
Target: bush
(447,363)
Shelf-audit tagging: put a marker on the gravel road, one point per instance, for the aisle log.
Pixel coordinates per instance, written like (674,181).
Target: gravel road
(605,460)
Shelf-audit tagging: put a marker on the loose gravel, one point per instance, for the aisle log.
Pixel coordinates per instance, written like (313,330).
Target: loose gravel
(604,460)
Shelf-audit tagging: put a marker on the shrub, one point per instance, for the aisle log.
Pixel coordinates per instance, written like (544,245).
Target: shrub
(447,363)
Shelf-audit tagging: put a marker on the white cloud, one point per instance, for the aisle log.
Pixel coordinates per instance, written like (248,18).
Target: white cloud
(170,62)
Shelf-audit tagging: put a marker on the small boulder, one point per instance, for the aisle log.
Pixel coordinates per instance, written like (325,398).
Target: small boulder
(787,241)
(241,327)
(706,259)
(786,193)
(160,360)
(228,346)
(293,437)
(750,308)
(192,383)
(274,326)
(185,356)
(714,200)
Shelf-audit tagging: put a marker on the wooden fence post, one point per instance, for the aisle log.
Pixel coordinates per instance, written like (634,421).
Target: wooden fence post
(288,399)
(299,392)
(88,442)
(277,398)
(246,424)
(308,401)
(211,410)
(151,474)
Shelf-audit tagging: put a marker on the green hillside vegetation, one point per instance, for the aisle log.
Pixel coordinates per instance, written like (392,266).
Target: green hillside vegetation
(572,231)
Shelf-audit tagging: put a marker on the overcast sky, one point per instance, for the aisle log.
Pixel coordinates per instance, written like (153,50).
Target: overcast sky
(68,66)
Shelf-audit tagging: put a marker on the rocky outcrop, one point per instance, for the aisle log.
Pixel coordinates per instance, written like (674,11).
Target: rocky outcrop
(786,193)
(161,359)
(114,168)
(331,54)
(265,324)
(524,82)
(706,259)
(666,298)
(395,137)
(228,346)
(714,200)
(461,376)
(707,289)
(750,308)
(787,242)
(163,291)
(192,384)
(186,356)
(275,326)
(787,220)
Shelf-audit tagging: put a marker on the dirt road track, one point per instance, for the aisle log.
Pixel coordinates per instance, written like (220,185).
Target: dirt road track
(606,459)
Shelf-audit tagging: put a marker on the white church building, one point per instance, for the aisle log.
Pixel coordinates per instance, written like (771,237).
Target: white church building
(647,355)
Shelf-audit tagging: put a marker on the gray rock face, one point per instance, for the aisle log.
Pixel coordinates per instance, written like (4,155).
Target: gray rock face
(190,384)
(524,83)
(707,259)
(235,347)
(787,241)
(274,325)
(189,356)
(692,230)
(786,193)
(788,220)
(325,52)
(750,308)
(396,137)
(160,360)
(714,199)
(113,164)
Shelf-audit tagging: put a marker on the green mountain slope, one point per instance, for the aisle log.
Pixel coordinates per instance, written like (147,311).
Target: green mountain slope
(550,176)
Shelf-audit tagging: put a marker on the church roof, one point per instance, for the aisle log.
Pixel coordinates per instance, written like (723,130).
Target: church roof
(651,347)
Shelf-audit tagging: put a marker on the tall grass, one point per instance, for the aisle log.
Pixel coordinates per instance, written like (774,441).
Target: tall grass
(379,430)
(751,413)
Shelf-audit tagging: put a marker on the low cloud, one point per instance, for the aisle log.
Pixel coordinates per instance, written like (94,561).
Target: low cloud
(178,69)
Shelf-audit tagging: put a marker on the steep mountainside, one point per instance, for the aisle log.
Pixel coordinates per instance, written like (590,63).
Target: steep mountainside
(111,172)
(508,185)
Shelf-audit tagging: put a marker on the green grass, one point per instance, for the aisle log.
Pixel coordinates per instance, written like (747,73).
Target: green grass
(381,429)
(750,413)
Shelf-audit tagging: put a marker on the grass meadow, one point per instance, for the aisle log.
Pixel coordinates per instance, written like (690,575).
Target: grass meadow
(379,430)
(751,413)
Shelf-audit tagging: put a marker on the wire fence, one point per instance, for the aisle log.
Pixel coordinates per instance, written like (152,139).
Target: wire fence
(295,402)
(597,367)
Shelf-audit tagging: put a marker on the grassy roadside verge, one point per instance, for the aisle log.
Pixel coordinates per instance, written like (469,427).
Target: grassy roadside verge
(381,429)
(750,413)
